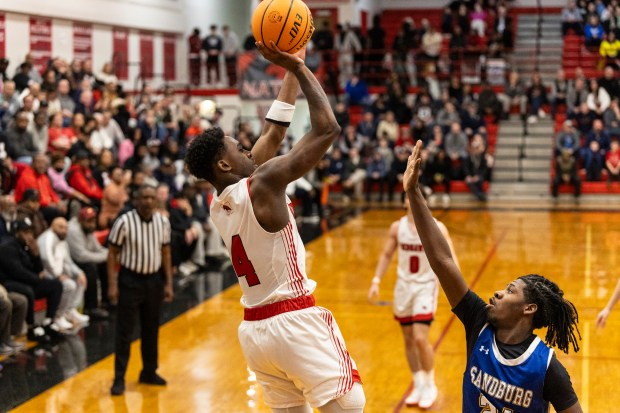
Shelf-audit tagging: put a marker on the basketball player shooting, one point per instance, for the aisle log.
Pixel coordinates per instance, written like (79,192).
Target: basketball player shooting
(509,368)
(294,347)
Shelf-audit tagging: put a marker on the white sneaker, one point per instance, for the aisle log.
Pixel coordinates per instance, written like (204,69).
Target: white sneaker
(445,201)
(77,318)
(429,395)
(414,397)
(542,114)
(62,323)
(532,119)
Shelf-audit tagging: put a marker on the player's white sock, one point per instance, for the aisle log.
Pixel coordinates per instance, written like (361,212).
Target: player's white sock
(419,379)
(429,377)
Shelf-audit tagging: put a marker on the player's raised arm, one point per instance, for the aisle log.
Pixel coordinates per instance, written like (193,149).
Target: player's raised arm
(435,244)
(310,149)
(278,118)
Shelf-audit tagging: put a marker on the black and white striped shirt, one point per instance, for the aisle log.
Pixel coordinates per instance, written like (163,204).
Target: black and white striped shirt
(140,241)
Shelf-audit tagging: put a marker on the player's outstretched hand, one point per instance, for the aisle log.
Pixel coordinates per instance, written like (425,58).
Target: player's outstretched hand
(601,319)
(412,173)
(373,293)
(288,61)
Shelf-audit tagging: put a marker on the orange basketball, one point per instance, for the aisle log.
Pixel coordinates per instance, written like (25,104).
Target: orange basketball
(288,23)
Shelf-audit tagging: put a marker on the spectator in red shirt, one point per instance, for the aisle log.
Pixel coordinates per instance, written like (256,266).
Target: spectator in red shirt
(60,139)
(35,177)
(81,178)
(612,161)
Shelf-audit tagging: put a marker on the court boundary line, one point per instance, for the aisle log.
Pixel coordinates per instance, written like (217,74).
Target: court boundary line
(444,332)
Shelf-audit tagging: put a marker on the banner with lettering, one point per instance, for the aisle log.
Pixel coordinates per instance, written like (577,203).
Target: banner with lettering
(40,42)
(82,41)
(170,70)
(2,37)
(146,55)
(120,53)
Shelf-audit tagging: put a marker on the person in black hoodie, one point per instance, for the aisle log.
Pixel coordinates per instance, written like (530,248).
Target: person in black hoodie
(22,274)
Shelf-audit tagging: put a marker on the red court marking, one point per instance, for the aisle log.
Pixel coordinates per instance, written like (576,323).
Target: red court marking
(446,328)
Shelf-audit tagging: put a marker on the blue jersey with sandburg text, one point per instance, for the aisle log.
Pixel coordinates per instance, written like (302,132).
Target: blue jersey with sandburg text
(495,384)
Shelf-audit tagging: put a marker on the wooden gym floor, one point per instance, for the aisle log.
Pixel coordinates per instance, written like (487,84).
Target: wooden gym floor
(201,358)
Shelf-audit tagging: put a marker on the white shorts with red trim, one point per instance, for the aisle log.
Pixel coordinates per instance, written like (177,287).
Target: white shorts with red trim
(415,301)
(298,357)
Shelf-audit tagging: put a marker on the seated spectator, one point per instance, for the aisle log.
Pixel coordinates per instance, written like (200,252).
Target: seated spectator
(114,197)
(396,170)
(566,172)
(583,117)
(472,121)
(375,174)
(354,175)
(8,214)
(478,20)
(20,275)
(612,162)
(503,27)
(609,82)
(356,92)
(149,128)
(437,171)
(9,103)
(60,138)
(91,257)
(577,95)
(58,177)
(35,177)
(303,190)
(593,153)
(67,104)
(447,116)
(405,140)
(368,127)
(559,92)
(489,103)
(567,139)
(476,169)
(30,207)
(58,265)
(342,115)
(336,166)
(594,32)
(611,118)
(38,130)
(20,144)
(13,307)
(101,170)
(514,94)
(188,237)
(350,140)
(388,128)
(455,143)
(81,178)
(194,129)
(536,97)
(598,98)
(610,46)
(571,19)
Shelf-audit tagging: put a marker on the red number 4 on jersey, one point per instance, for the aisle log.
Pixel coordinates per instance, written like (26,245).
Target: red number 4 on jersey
(241,263)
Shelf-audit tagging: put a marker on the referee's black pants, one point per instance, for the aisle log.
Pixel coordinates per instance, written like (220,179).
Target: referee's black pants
(139,296)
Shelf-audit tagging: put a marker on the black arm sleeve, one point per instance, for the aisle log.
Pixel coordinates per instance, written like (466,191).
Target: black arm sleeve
(471,310)
(558,389)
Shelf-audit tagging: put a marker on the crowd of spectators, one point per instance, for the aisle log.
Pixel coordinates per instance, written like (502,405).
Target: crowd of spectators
(74,148)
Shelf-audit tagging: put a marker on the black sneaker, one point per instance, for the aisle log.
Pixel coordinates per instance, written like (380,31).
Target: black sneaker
(98,314)
(153,378)
(118,387)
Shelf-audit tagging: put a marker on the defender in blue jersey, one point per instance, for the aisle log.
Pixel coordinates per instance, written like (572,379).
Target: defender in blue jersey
(509,368)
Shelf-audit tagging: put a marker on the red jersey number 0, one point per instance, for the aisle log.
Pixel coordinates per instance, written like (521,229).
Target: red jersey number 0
(241,263)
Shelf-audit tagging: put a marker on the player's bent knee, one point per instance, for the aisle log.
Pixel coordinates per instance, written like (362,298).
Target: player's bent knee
(297,409)
(352,402)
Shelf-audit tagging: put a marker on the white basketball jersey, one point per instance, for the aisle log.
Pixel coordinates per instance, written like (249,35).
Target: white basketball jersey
(271,266)
(412,262)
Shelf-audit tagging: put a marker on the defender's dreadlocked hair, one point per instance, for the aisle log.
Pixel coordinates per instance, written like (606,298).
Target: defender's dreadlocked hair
(554,312)
(204,152)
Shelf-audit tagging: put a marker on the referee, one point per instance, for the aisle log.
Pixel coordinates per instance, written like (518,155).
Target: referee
(140,243)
